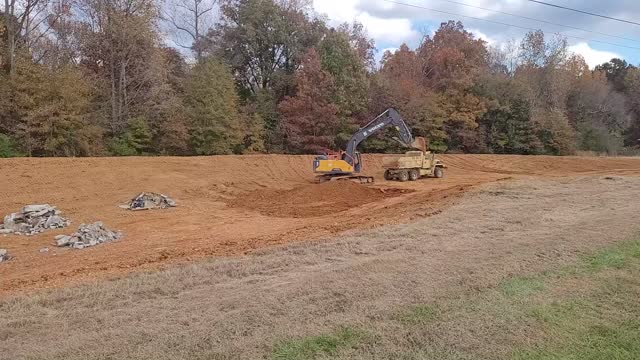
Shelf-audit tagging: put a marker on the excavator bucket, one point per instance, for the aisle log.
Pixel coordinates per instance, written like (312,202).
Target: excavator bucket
(419,143)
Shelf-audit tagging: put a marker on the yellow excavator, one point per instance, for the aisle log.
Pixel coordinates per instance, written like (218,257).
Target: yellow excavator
(347,165)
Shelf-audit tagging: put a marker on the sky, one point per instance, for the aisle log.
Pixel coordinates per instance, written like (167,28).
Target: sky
(390,24)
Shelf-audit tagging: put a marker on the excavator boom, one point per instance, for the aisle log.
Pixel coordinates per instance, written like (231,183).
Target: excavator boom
(390,117)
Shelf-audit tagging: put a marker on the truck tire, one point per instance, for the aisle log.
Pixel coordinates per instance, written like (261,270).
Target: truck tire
(387,175)
(438,172)
(403,175)
(414,175)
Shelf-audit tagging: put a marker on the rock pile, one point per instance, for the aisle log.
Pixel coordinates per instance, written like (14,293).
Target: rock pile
(148,200)
(4,255)
(33,219)
(87,236)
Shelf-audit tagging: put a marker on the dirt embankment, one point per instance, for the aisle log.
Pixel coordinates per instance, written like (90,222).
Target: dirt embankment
(228,205)
(311,201)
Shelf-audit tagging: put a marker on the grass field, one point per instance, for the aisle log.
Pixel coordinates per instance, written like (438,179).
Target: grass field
(588,311)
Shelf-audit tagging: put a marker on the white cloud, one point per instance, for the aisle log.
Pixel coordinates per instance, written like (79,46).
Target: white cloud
(394,31)
(385,30)
(592,56)
(392,24)
(480,35)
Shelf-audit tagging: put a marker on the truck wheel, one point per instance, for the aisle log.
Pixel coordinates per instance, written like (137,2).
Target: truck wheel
(438,172)
(387,175)
(414,175)
(403,176)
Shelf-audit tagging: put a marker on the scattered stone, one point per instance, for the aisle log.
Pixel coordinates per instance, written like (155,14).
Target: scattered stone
(4,255)
(147,201)
(87,236)
(44,250)
(33,219)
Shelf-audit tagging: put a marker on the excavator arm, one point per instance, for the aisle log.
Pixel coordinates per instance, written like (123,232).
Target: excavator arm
(390,117)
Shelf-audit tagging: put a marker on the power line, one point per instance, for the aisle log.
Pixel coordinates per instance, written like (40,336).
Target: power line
(540,20)
(584,12)
(505,24)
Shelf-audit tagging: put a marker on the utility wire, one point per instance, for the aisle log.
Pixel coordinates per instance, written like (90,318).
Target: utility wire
(585,12)
(505,24)
(540,20)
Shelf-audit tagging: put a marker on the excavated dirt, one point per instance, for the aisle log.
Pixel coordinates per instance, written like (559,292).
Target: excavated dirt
(229,205)
(311,201)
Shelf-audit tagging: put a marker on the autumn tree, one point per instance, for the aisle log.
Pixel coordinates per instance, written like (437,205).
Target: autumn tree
(506,127)
(616,71)
(310,119)
(400,83)
(120,50)
(212,107)
(48,112)
(598,113)
(340,59)
(452,61)
(261,39)
(632,91)
(547,72)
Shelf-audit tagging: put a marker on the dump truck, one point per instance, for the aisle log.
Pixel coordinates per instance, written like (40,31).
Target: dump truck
(412,166)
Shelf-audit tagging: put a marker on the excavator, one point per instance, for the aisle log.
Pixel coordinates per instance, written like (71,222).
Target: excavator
(347,165)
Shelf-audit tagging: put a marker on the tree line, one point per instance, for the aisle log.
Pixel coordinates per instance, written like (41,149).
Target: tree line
(95,77)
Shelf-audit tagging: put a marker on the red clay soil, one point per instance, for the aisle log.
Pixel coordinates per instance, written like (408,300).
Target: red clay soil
(227,205)
(311,201)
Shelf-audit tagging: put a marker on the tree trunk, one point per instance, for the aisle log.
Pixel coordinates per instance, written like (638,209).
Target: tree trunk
(9,9)
(114,96)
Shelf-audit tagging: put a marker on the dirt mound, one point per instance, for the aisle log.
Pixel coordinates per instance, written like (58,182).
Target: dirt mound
(312,200)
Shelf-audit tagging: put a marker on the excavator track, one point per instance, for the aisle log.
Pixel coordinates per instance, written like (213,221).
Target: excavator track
(355,178)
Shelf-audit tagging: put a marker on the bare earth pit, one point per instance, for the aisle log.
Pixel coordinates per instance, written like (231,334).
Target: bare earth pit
(229,206)
(313,200)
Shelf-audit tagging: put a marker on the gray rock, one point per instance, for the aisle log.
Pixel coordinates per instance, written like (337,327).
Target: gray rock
(63,241)
(44,250)
(34,219)
(37,208)
(88,235)
(6,231)
(148,200)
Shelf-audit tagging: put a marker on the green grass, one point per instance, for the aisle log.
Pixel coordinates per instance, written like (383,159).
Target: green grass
(521,286)
(589,310)
(597,342)
(602,324)
(314,346)
(417,314)
(614,257)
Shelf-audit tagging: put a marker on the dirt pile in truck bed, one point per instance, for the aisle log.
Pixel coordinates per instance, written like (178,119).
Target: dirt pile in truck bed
(313,199)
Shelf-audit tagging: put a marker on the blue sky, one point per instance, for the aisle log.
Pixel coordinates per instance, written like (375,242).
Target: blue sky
(393,24)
